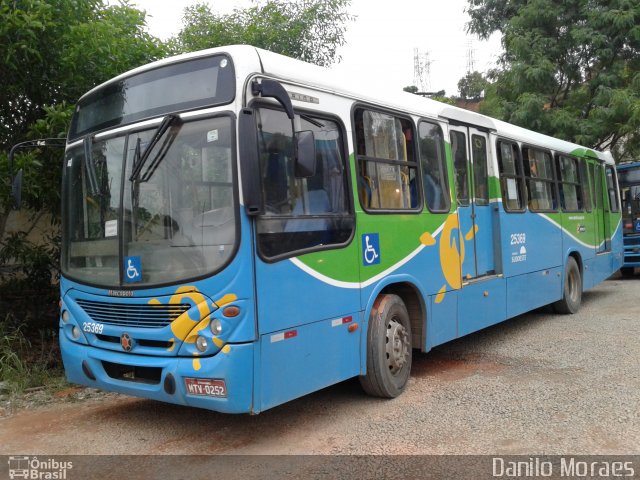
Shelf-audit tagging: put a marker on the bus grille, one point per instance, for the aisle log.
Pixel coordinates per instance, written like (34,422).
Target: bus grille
(128,315)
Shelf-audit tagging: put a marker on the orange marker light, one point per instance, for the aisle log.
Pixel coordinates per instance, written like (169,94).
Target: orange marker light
(231,311)
(352,328)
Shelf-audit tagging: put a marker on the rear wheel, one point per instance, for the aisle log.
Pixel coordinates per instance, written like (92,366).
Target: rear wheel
(572,296)
(388,348)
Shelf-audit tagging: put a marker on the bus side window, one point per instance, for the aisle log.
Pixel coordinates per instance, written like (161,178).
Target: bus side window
(585,184)
(301,214)
(459,154)
(510,176)
(386,161)
(540,180)
(434,167)
(480,170)
(570,192)
(612,191)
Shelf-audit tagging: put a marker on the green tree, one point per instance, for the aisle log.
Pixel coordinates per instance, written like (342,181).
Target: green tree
(472,86)
(569,69)
(310,30)
(52,53)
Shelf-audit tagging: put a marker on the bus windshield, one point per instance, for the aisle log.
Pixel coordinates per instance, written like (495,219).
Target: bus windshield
(629,181)
(175,221)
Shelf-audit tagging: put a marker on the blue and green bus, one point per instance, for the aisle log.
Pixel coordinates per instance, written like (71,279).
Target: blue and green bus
(629,180)
(241,229)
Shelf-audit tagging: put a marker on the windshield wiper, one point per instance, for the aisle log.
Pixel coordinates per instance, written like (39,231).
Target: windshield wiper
(94,188)
(311,120)
(167,122)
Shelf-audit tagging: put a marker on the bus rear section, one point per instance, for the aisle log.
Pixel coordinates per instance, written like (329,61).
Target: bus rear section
(629,182)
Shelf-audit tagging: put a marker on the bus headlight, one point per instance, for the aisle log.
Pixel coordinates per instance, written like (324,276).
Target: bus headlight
(201,344)
(75,332)
(216,326)
(66,316)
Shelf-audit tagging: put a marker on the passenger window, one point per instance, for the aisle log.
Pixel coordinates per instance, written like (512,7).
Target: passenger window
(459,153)
(301,213)
(434,168)
(570,190)
(510,176)
(386,161)
(614,205)
(540,180)
(585,184)
(480,173)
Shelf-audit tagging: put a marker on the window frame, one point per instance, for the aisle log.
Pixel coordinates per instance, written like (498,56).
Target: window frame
(518,176)
(587,192)
(615,189)
(349,204)
(444,166)
(469,171)
(527,178)
(366,158)
(487,158)
(561,182)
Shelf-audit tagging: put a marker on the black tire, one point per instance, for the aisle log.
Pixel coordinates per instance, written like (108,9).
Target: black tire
(572,295)
(388,348)
(627,272)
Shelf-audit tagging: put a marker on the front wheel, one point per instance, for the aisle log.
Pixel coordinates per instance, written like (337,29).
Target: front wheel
(572,295)
(627,272)
(388,348)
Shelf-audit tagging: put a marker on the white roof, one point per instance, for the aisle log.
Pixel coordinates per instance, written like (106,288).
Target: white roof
(252,59)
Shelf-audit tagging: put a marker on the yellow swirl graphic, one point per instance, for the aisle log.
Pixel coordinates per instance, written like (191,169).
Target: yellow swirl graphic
(450,257)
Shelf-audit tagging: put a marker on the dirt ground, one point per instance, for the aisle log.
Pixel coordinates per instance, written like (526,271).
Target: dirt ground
(538,384)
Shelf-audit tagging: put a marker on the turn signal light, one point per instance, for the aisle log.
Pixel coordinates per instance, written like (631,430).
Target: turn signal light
(231,311)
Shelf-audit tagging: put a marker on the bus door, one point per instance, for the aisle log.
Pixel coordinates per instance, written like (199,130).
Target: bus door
(470,150)
(603,235)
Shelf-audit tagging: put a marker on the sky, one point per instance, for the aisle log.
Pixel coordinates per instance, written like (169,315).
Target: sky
(381,41)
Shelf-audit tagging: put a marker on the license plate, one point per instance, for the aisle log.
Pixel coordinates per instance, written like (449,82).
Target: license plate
(206,387)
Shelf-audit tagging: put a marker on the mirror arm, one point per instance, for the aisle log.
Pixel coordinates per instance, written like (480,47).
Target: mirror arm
(273,89)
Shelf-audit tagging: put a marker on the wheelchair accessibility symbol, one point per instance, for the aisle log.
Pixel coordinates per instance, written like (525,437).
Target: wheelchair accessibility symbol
(370,249)
(132,269)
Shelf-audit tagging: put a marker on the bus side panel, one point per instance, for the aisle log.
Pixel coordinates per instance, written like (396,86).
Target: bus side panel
(603,267)
(533,290)
(288,296)
(442,321)
(304,359)
(481,304)
(530,242)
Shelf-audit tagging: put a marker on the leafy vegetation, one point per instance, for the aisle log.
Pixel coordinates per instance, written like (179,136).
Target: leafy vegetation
(472,86)
(54,52)
(310,30)
(569,69)
(27,361)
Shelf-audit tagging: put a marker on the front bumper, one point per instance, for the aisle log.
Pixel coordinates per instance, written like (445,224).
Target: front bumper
(234,365)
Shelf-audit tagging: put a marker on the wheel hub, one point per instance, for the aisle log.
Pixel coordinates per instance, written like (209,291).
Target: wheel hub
(398,347)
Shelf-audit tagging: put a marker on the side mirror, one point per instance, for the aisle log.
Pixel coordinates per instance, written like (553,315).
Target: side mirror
(16,190)
(16,180)
(305,162)
(250,163)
